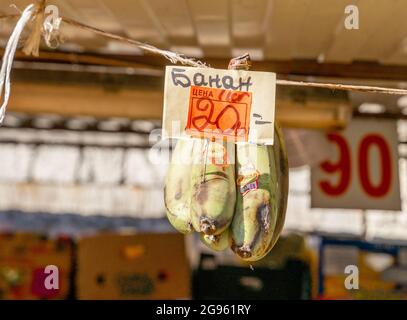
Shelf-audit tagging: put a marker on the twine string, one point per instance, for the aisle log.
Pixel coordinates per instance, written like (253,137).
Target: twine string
(174,57)
(32,44)
(346,87)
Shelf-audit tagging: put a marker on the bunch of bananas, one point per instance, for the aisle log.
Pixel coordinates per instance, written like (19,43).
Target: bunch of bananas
(238,203)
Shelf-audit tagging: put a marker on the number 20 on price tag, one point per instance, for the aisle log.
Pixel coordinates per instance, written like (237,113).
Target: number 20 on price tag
(364,173)
(230,111)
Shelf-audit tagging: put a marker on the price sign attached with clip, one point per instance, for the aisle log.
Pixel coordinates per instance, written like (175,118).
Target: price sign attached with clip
(236,105)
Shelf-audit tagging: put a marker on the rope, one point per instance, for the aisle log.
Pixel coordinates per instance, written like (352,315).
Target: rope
(169,55)
(8,57)
(348,87)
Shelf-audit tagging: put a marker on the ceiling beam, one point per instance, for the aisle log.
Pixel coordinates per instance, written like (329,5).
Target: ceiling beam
(284,68)
(141,97)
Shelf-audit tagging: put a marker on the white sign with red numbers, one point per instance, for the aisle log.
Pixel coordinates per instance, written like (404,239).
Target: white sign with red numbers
(363,172)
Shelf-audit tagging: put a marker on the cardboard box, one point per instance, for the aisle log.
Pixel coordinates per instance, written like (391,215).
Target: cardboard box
(24,258)
(141,266)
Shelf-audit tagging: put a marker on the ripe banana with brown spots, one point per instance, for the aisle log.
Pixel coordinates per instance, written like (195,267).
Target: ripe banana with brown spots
(213,188)
(256,212)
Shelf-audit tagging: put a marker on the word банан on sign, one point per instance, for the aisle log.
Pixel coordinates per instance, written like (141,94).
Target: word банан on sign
(213,81)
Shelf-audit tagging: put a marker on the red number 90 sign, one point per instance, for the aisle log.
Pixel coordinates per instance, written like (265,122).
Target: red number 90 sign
(360,177)
(343,166)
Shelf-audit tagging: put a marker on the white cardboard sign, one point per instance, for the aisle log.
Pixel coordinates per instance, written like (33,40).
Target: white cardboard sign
(364,172)
(236,103)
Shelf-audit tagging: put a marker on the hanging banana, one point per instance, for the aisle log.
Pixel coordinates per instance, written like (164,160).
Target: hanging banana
(213,188)
(281,163)
(177,190)
(201,195)
(256,212)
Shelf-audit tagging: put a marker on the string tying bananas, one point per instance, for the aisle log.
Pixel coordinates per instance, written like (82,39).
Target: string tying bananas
(232,195)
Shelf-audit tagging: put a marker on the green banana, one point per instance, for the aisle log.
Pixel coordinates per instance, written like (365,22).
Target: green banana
(213,188)
(280,156)
(256,208)
(217,242)
(177,190)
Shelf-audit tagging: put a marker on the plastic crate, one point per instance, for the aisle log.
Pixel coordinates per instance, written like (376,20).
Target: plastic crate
(211,281)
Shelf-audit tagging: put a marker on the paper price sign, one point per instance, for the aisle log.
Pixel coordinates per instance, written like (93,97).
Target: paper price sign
(237,105)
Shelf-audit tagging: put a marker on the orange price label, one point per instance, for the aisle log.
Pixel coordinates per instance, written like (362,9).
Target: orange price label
(219,113)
